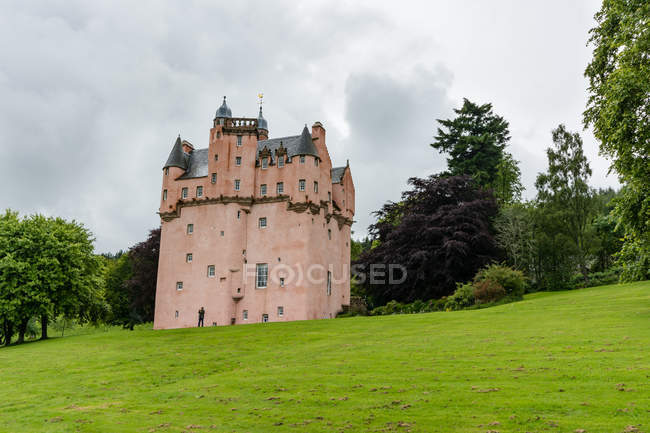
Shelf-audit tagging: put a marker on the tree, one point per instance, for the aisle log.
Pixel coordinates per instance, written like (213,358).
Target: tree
(507,185)
(442,237)
(141,287)
(565,192)
(515,234)
(618,108)
(475,141)
(118,272)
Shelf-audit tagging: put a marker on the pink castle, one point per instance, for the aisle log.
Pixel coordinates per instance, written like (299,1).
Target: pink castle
(253,229)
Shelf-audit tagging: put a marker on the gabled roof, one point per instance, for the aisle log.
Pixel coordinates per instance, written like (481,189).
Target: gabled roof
(337,174)
(177,158)
(197,164)
(295,145)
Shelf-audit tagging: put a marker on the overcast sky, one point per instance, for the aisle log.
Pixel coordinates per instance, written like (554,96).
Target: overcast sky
(93,94)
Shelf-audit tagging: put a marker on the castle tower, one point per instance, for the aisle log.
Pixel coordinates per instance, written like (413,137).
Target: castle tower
(254,228)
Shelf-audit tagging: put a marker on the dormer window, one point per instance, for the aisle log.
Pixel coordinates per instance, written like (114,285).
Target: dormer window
(302,159)
(238,161)
(281,161)
(238,140)
(199,191)
(184,193)
(265,163)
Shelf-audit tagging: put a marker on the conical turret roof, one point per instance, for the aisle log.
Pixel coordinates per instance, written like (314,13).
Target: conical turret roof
(305,145)
(261,121)
(177,156)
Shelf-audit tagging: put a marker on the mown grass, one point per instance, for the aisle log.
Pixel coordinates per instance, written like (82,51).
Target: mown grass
(557,362)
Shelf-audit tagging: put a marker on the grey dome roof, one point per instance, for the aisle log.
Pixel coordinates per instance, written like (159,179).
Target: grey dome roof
(261,121)
(177,158)
(224,110)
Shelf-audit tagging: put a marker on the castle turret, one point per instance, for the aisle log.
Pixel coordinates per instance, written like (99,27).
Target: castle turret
(223,112)
(262,126)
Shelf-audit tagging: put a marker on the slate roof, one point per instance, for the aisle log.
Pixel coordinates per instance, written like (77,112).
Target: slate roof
(224,110)
(296,145)
(177,158)
(337,174)
(261,121)
(197,164)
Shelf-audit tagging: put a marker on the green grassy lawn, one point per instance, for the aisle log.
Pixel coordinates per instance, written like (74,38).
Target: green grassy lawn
(556,362)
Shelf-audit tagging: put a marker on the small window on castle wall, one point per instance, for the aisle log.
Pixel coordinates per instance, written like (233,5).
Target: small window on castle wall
(315,186)
(239,140)
(190,229)
(213,179)
(301,185)
(265,318)
(302,159)
(166,171)
(176,314)
(179,285)
(211,271)
(281,281)
(216,157)
(184,193)
(280,311)
(316,162)
(329,234)
(262,222)
(281,161)
(329,196)
(188,258)
(279,188)
(165,194)
(265,163)
(238,161)
(329,283)
(218,134)
(237,182)
(263,189)
(199,191)
(245,314)
(238,214)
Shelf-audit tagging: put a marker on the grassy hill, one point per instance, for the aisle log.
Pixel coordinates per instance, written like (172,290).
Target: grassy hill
(557,362)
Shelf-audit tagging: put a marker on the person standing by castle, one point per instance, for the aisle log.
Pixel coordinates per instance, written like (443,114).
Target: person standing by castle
(201,316)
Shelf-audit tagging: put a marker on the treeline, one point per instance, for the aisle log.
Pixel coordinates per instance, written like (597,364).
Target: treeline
(49,272)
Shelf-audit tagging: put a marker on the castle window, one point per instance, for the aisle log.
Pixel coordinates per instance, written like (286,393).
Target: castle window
(199,191)
(315,186)
(190,229)
(165,194)
(216,157)
(188,257)
(301,185)
(237,182)
(211,271)
(329,283)
(222,233)
(214,178)
(280,311)
(329,234)
(279,188)
(316,162)
(179,285)
(166,171)
(281,161)
(261,275)
(238,214)
(245,314)
(239,140)
(265,318)
(238,161)
(262,222)
(263,189)
(329,196)
(176,314)
(281,281)
(184,193)
(302,159)
(218,134)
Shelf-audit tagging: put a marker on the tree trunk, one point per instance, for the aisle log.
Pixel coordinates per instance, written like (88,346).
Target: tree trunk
(44,327)
(21,332)
(9,332)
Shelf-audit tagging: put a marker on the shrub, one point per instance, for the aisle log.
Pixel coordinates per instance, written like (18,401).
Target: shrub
(463,297)
(512,281)
(488,291)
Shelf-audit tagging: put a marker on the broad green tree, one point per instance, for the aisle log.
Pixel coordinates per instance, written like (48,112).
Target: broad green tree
(474,141)
(618,109)
(563,190)
(507,185)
